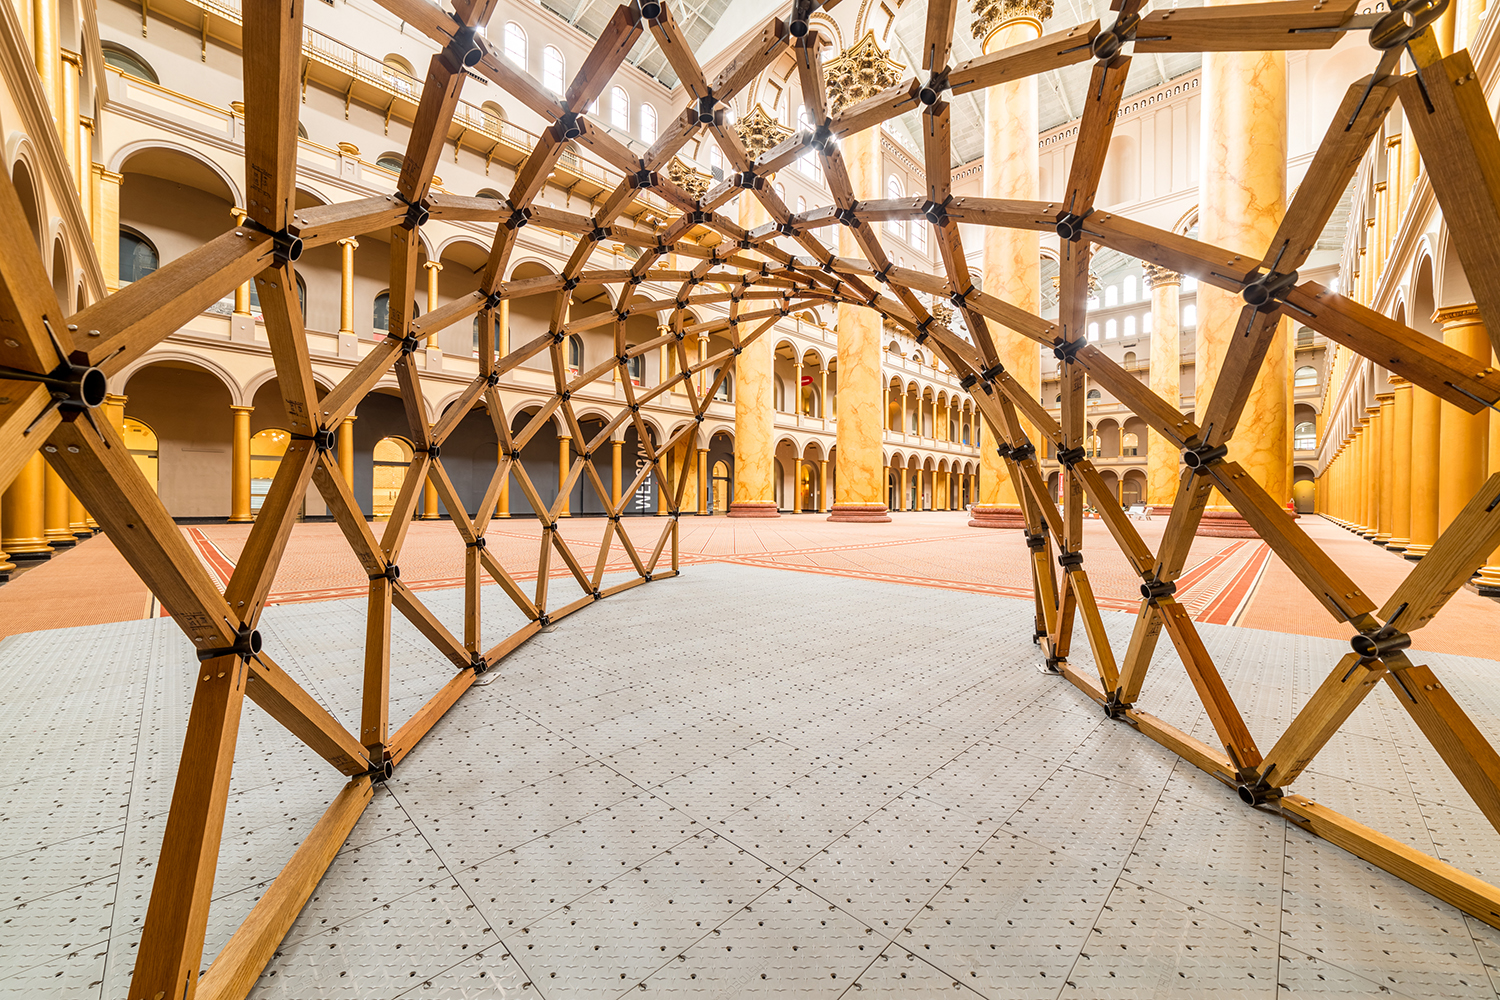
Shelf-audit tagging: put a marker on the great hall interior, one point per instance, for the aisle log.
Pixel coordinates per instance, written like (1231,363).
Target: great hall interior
(720,499)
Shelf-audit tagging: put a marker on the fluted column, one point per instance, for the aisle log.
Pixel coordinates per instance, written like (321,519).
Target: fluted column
(564,458)
(1162,460)
(1385,443)
(1242,199)
(432,267)
(754,410)
(23,519)
(1012,257)
(1465,435)
(1426,458)
(1401,417)
(347,246)
(58,534)
(239,476)
(346,450)
(860,457)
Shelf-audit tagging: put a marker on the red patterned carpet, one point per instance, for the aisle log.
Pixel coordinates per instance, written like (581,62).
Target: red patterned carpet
(1228,581)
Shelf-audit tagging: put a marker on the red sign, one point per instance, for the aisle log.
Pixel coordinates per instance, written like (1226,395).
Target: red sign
(807,380)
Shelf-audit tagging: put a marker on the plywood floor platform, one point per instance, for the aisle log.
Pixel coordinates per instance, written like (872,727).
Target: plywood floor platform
(856,790)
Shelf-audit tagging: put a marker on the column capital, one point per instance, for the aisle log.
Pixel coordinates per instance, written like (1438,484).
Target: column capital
(350,242)
(433,265)
(860,71)
(1158,275)
(1462,314)
(992,15)
(241,409)
(1397,382)
(348,420)
(115,399)
(108,175)
(1385,398)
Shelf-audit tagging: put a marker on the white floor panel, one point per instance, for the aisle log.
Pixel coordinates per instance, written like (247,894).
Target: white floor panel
(744,783)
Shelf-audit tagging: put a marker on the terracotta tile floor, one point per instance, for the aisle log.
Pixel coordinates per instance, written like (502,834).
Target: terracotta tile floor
(1228,581)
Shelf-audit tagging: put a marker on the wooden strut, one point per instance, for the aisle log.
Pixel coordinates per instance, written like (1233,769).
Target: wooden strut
(762,275)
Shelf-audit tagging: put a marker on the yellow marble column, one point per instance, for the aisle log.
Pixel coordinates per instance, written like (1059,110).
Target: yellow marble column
(564,458)
(1426,459)
(1385,523)
(432,267)
(823,486)
(239,476)
(860,437)
(58,534)
(502,332)
(1242,197)
(1401,417)
(797,390)
(23,519)
(1012,257)
(347,246)
(823,410)
(106,224)
(1465,435)
(430,509)
(1163,462)
(1370,481)
(346,450)
(78,518)
(754,410)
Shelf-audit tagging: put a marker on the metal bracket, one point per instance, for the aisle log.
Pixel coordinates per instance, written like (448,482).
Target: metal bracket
(1070,225)
(1154,591)
(1066,351)
(1378,644)
(246,644)
(1070,561)
(1070,457)
(932,91)
(1203,458)
(478,664)
(392,573)
(416,215)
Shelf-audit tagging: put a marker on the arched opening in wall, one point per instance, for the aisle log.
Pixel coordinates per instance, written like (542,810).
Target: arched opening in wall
(1305,377)
(575,353)
(173,202)
(62,283)
(1304,489)
(128,62)
(720,471)
(381,314)
(31,202)
(494,119)
(399,75)
(390,161)
(1133,488)
(1304,427)
(461,260)
(140,441)
(187,408)
(725,392)
(1130,445)
(778,486)
(390,458)
(266,451)
(138,257)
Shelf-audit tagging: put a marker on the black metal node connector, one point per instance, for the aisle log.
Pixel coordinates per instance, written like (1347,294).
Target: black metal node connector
(518,218)
(544,620)
(1070,226)
(821,138)
(286,248)
(1067,351)
(570,284)
(599,234)
(882,275)
(647,577)
(1113,707)
(1266,292)
(960,300)
(478,663)
(1054,664)
(707,109)
(936,212)
(410,343)
(492,379)
(969,381)
(493,300)
(1070,560)
(745,245)
(700,216)
(325,440)
(1108,44)
(699,418)
(932,91)
(380,773)
(1203,458)
(478,543)
(75,388)
(1023,451)
(636,279)
(846,216)
(558,336)
(644,178)
(246,644)
(392,573)
(597,595)
(1070,457)
(1258,794)
(1376,645)
(1036,543)
(433,451)
(569,126)
(416,215)
(1154,590)
(993,372)
(466,49)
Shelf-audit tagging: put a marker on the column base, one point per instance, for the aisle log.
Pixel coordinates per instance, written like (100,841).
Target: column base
(1397,544)
(754,508)
(994,516)
(1415,552)
(240,520)
(1488,583)
(27,553)
(61,539)
(1225,524)
(866,513)
(1380,538)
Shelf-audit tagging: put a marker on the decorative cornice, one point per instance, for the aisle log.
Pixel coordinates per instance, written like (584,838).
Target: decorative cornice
(860,71)
(759,132)
(991,14)
(1452,314)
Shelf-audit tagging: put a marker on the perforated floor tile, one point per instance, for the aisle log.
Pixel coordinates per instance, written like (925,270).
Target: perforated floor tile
(690,806)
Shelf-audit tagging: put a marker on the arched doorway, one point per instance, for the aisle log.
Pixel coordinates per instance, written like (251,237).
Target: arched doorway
(391,458)
(266,451)
(140,440)
(722,484)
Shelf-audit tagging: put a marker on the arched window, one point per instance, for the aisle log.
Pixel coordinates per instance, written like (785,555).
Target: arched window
(1189,316)
(1111,296)
(1305,436)
(1093,396)
(575,352)
(1111,331)
(489,193)
(128,62)
(1093,331)
(1146,323)
(1130,445)
(725,392)
(1130,326)
(648,123)
(716,162)
(382,314)
(266,451)
(896,227)
(919,235)
(1305,377)
(619,109)
(804,120)
(397,73)
(1129,293)
(138,257)
(392,162)
(801,204)
(552,70)
(494,115)
(1129,358)
(515,44)
(140,441)
(636,366)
